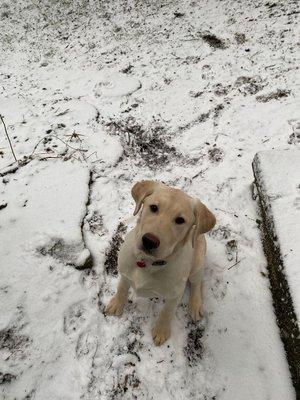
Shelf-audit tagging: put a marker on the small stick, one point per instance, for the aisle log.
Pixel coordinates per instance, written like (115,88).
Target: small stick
(90,155)
(227,212)
(58,138)
(12,150)
(235,264)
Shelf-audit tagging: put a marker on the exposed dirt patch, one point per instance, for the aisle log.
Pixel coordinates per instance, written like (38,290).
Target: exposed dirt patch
(231,250)
(129,382)
(65,252)
(221,232)
(178,14)
(249,84)
(221,90)
(30,395)
(128,69)
(194,347)
(57,248)
(146,146)
(279,94)
(202,118)
(195,94)
(215,155)
(95,223)
(214,41)
(214,113)
(11,340)
(217,113)
(3,205)
(191,60)
(294,138)
(240,38)
(111,255)
(6,378)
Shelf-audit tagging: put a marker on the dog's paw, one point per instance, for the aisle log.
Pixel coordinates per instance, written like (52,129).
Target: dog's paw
(160,333)
(115,306)
(196,309)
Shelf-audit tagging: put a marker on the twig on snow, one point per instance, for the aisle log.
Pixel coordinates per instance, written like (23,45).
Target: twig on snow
(227,212)
(236,263)
(94,152)
(58,138)
(12,150)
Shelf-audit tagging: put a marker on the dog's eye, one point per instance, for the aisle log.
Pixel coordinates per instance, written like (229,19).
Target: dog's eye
(154,208)
(179,220)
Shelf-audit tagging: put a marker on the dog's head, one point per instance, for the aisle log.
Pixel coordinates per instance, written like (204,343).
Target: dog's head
(166,218)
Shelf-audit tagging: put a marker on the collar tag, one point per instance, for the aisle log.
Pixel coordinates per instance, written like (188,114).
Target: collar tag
(141,263)
(159,262)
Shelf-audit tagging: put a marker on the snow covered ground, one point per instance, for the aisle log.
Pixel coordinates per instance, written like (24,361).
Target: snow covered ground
(96,95)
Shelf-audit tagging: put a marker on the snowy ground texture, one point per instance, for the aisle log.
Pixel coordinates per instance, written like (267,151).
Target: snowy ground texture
(95,96)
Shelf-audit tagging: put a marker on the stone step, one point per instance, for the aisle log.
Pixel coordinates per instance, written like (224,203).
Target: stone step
(277,183)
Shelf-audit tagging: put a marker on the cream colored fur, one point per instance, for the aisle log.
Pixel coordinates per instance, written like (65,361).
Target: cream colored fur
(182,247)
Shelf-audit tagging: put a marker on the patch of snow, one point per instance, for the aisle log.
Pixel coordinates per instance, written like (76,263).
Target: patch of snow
(41,299)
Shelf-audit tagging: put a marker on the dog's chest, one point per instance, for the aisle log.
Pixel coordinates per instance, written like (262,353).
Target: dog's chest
(163,283)
(166,281)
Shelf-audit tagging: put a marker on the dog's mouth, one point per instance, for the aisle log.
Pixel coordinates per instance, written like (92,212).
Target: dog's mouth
(153,256)
(148,254)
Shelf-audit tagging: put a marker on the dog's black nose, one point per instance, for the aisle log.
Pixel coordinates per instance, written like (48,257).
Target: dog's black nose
(150,241)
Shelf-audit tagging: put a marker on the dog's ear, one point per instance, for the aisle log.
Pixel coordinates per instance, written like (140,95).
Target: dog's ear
(140,191)
(204,219)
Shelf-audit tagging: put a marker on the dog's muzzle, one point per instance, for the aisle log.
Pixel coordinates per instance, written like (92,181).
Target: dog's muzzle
(150,241)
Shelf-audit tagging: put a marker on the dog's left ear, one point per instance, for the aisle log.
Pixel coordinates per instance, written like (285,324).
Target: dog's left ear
(140,191)
(204,220)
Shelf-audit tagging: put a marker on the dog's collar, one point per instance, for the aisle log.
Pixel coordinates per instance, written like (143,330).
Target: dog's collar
(159,262)
(143,264)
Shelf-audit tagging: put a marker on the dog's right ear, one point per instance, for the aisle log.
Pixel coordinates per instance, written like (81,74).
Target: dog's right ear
(140,191)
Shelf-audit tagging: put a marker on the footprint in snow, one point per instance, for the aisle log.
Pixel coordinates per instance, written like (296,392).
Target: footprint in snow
(74,318)
(86,345)
(116,85)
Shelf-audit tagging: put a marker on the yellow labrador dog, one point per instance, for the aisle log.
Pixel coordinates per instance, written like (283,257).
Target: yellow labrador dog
(163,252)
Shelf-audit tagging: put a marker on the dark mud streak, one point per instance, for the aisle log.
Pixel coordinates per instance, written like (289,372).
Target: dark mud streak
(111,255)
(213,41)
(249,85)
(89,261)
(194,347)
(215,113)
(278,94)
(2,206)
(6,378)
(13,168)
(282,300)
(202,118)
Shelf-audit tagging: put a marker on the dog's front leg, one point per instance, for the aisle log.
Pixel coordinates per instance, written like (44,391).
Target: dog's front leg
(195,301)
(162,329)
(118,301)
